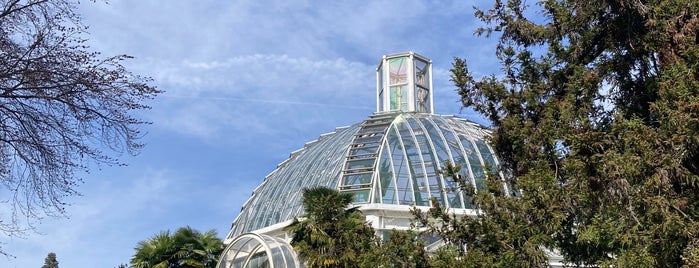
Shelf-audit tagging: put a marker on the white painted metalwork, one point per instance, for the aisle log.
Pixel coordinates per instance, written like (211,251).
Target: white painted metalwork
(390,158)
(253,250)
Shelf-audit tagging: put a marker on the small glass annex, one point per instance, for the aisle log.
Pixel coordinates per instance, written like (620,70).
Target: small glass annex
(390,162)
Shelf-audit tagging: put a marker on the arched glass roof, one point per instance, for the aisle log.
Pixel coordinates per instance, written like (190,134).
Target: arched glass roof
(258,250)
(390,158)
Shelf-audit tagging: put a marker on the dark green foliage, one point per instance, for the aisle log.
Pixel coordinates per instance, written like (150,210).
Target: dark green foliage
(499,239)
(185,248)
(402,249)
(331,234)
(596,121)
(448,256)
(50,261)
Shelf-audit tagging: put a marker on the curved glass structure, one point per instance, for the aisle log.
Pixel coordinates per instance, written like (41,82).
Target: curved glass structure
(253,250)
(390,162)
(391,158)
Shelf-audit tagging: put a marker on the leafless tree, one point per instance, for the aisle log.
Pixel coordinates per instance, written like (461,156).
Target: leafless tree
(62,107)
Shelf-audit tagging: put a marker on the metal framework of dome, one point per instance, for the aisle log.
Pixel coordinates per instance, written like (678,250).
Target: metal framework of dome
(390,162)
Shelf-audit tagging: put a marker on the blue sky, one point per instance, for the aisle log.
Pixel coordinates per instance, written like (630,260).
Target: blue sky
(247,82)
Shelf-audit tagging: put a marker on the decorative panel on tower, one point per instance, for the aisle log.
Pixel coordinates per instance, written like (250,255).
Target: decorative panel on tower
(404,83)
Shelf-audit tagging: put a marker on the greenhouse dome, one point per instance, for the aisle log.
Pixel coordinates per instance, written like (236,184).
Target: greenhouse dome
(390,162)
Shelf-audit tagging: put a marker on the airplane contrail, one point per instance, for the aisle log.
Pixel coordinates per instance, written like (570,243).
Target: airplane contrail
(273,102)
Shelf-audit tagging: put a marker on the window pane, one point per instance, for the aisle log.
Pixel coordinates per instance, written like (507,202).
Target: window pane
(361,196)
(380,74)
(422,100)
(398,73)
(399,98)
(361,163)
(386,178)
(357,179)
(421,75)
(475,163)
(487,155)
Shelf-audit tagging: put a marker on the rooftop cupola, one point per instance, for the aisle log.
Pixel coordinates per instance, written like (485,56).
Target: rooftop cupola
(404,83)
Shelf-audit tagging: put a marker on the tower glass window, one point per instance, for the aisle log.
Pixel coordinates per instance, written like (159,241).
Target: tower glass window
(408,79)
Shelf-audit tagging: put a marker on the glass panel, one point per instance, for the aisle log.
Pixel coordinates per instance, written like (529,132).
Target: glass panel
(319,163)
(278,257)
(377,194)
(361,163)
(381,98)
(381,87)
(422,100)
(259,259)
(398,71)
(412,152)
(399,98)
(436,132)
(361,196)
(486,155)
(474,162)
(357,179)
(421,75)
(242,247)
(395,98)
(436,140)
(427,159)
(458,159)
(370,138)
(379,130)
(380,76)
(288,256)
(420,172)
(400,169)
(362,150)
(404,99)
(388,191)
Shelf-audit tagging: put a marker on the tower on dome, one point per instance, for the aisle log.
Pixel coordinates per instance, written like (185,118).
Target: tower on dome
(404,83)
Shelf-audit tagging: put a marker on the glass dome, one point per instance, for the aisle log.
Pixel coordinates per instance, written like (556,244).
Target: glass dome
(391,158)
(390,162)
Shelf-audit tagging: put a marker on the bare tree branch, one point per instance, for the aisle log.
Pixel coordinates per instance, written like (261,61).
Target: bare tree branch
(62,107)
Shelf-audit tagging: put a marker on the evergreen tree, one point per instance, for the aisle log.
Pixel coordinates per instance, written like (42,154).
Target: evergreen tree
(402,249)
(50,261)
(596,123)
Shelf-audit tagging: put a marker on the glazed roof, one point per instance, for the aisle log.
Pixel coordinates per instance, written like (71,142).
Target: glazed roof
(391,158)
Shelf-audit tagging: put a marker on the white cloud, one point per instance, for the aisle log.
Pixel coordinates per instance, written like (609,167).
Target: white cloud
(255,95)
(106,223)
(211,30)
(247,82)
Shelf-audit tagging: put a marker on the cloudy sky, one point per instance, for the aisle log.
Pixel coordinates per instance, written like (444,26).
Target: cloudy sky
(246,83)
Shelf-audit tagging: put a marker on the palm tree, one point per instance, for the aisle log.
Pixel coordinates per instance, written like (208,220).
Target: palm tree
(185,248)
(331,234)
(156,252)
(198,249)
